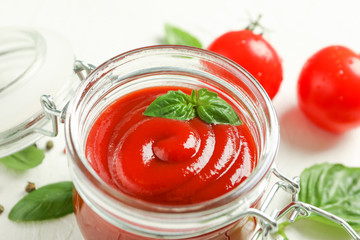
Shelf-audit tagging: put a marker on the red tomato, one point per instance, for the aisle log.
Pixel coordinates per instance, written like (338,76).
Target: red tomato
(253,53)
(329,89)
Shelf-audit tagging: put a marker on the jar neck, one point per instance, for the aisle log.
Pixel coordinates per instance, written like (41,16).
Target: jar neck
(169,222)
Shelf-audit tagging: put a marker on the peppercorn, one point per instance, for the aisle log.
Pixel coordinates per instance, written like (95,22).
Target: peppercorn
(49,145)
(30,187)
(1,209)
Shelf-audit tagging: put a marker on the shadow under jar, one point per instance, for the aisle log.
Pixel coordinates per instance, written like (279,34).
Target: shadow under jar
(105,211)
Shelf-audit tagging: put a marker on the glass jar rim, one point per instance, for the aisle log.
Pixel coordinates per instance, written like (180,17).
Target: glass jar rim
(249,183)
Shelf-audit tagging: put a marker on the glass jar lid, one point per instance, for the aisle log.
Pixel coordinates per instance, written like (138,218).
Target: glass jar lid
(32,63)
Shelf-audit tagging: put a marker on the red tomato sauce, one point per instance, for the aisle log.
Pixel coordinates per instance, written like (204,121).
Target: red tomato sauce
(164,160)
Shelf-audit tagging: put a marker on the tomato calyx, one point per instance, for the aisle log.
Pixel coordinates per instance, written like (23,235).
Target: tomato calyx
(255,24)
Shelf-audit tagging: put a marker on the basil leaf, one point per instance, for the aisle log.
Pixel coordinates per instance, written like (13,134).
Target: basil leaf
(333,188)
(51,201)
(173,105)
(212,109)
(177,36)
(193,97)
(25,159)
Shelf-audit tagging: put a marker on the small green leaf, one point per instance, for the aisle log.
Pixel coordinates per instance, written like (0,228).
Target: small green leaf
(213,109)
(177,36)
(173,105)
(193,97)
(25,159)
(333,188)
(51,201)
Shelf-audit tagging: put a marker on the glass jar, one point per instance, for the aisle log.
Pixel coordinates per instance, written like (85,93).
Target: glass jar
(105,213)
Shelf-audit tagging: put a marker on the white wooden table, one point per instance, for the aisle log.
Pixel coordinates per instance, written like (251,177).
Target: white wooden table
(98,30)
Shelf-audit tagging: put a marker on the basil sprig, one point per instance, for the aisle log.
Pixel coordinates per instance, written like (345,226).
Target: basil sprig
(334,188)
(177,36)
(51,201)
(205,104)
(25,159)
